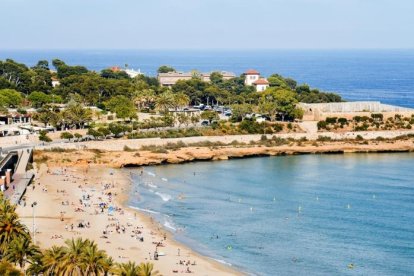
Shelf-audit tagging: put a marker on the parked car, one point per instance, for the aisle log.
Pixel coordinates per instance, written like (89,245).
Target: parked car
(205,123)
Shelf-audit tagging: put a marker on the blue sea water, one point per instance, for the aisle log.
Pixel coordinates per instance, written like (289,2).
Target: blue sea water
(290,215)
(380,75)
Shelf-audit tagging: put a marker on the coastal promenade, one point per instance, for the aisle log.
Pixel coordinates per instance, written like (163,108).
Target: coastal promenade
(21,177)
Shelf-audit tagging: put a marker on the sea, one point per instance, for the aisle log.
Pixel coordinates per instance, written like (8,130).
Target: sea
(292,215)
(372,75)
(347,214)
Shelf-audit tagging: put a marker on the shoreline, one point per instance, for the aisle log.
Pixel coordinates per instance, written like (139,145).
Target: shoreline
(159,155)
(56,221)
(228,267)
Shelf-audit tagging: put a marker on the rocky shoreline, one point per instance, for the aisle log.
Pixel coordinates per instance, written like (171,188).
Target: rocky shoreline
(136,158)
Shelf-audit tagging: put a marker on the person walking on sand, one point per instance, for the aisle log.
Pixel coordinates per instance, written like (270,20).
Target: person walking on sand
(178,252)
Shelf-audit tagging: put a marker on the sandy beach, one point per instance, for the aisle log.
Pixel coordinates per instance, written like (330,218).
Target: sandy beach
(88,201)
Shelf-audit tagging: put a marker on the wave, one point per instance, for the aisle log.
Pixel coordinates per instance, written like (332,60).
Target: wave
(165,197)
(144,210)
(169,225)
(223,262)
(151,173)
(164,179)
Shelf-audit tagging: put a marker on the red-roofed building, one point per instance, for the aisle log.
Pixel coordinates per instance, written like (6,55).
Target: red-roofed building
(251,76)
(261,84)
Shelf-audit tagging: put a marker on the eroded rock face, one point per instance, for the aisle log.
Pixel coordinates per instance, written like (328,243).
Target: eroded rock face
(120,159)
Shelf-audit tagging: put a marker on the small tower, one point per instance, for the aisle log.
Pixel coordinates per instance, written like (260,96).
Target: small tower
(251,77)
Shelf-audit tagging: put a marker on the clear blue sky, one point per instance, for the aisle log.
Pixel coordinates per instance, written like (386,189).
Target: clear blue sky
(206,24)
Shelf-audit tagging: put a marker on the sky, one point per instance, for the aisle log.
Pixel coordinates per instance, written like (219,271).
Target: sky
(206,24)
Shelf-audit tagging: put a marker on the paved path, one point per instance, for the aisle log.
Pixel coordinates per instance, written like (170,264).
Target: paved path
(21,177)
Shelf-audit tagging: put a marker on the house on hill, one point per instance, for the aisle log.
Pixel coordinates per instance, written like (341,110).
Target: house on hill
(261,84)
(252,78)
(171,78)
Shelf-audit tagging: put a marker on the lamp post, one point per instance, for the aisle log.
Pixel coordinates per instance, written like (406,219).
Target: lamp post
(33,222)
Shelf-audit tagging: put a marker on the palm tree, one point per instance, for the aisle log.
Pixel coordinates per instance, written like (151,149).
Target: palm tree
(11,229)
(52,259)
(21,250)
(95,260)
(73,259)
(165,101)
(127,269)
(146,269)
(108,265)
(180,100)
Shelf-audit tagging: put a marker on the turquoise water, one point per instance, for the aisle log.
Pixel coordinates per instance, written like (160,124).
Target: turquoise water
(291,215)
(380,75)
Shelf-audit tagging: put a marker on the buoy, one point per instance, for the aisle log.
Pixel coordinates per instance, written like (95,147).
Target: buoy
(349,206)
(251,209)
(300,209)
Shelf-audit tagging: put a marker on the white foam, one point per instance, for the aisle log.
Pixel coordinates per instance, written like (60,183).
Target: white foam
(223,262)
(151,173)
(164,197)
(152,185)
(164,179)
(168,225)
(144,210)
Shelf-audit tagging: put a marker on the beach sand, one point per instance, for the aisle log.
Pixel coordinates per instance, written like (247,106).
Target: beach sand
(69,196)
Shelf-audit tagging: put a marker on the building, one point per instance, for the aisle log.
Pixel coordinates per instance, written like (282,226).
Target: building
(55,82)
(348,110)
(171,78)
(250,77)
(15,118)
(132,73)
(261,84)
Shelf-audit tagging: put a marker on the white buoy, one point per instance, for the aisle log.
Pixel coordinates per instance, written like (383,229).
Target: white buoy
(251,209)
(349,206)
(274,198)
(299,209)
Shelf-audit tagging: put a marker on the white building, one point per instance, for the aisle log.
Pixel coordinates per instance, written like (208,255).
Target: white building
(261,84)
(132,73)
(251,76)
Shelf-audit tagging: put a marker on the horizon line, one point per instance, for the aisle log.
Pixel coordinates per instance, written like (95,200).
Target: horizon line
(207,49)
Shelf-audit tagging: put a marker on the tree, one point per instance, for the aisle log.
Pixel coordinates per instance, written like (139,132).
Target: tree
(10,98)
(10,226)
(7,269)
(94,260)
(127,269)
(66,135)
(76,115)
(239,111)
(44,137)
(165,101)
(209,115)
(52,260)
(181,100)
(38,99)
(165,69)
(286,102)
(122,107)
(116,129)
(21,250)
(147,269)
(216,78)
(78,136)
